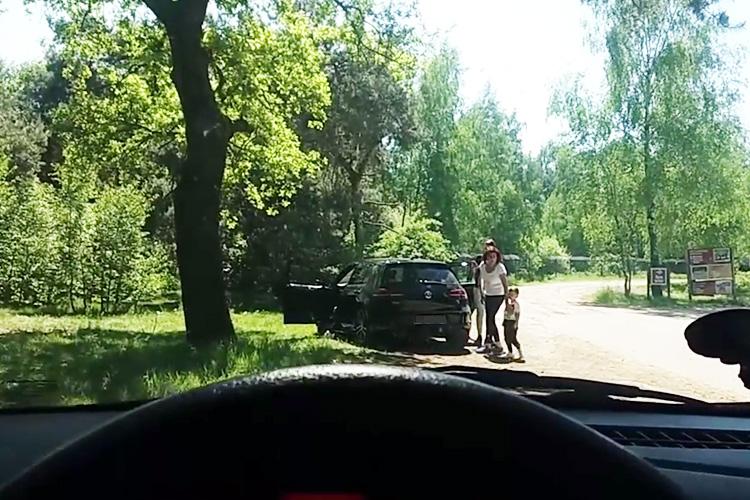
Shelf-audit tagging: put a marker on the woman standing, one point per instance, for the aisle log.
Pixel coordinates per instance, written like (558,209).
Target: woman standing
(494,283)
(478,294)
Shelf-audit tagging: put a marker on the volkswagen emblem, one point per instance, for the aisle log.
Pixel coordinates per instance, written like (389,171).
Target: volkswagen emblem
(427,294)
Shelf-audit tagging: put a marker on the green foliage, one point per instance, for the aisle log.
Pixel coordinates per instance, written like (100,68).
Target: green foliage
(544,255)
(115,246)
(29,246)
(419,237)
(123,121)
(659,164)
(425,180)
(269,76)
(345,125)
(496,192)
(57,249)
(367,117)
(23,136)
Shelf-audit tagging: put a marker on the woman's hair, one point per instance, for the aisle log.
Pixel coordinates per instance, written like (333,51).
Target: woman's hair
(491,250)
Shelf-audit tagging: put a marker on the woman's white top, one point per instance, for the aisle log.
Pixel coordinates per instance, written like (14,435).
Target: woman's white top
(491,282)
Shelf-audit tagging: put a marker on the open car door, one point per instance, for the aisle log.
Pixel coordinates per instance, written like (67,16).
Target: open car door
(463,271)
(307,304)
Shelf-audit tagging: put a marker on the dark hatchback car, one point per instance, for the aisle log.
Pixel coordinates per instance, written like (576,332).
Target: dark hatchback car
(383,302)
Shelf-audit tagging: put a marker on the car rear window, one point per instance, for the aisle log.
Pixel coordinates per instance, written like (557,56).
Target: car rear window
(399,274)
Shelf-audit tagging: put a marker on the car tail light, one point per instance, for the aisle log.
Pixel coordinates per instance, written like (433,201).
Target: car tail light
(458,293)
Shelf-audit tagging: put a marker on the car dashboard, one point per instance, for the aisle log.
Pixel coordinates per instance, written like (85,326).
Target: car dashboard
(707,455)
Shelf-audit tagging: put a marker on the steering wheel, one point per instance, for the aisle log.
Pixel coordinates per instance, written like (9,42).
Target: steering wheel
(359,431)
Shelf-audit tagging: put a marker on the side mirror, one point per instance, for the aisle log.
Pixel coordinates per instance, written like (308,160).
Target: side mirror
(724,335)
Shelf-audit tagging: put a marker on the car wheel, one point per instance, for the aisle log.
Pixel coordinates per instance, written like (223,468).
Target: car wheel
(361,331)
(458,338)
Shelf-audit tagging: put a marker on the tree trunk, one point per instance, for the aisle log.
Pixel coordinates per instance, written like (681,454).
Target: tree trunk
(197,194)
(355,181)
(651,180)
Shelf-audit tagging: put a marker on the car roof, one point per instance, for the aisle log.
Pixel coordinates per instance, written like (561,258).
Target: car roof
(399,260)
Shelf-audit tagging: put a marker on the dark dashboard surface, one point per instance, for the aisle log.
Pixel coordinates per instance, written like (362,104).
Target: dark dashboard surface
(708,455)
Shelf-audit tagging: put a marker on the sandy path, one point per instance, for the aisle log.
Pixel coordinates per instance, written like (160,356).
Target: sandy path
(563,335)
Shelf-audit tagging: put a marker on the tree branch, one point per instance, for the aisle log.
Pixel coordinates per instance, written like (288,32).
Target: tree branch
(381,225)
(348,9)
(381,203)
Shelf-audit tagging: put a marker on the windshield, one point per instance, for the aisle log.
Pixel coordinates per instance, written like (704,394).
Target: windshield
(564,185)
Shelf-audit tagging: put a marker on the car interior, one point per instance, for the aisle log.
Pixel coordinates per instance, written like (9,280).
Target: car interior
(378,432)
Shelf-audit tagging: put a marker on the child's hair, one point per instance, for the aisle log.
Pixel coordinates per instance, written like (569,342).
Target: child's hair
(513,290)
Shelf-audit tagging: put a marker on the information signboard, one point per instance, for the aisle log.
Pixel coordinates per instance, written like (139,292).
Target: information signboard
(710,271)
(659,276)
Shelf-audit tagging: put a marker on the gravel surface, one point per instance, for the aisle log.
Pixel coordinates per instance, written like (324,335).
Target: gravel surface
(564,335)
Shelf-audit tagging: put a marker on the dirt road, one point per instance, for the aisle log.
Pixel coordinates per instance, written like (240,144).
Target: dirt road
(564,335)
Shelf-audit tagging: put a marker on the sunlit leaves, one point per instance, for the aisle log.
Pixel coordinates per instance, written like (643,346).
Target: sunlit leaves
(268,77)
(417,238)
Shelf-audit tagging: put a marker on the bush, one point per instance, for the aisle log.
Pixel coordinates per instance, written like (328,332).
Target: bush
(545,255)
(57,249)
(743,282)
(28,244)
(556,265)
(605,265)
(513,263)
(418,238)
(116,246)
(580,264)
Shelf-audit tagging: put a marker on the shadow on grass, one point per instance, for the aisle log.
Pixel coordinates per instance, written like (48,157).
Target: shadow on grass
(100,365)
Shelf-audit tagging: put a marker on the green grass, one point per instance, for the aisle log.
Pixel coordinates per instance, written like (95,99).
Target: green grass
(51,360)
(679,300)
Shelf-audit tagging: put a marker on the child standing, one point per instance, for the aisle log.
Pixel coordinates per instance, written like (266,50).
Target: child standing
(510,324)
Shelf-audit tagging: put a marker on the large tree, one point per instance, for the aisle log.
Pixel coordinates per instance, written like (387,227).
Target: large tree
(193,99)
(496,193)
(368,117)
(662,68)
(423,178)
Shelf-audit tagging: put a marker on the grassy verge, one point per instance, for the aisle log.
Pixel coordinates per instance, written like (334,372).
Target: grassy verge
(679,300)
(50,360)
